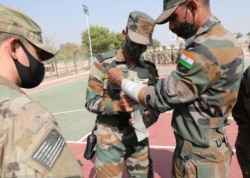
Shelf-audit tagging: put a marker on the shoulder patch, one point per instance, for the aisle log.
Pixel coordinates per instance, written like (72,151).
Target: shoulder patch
(106,55)
(49,150)
(187,59)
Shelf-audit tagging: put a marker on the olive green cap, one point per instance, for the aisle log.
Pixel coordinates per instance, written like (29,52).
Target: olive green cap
(169,6)
(140,28)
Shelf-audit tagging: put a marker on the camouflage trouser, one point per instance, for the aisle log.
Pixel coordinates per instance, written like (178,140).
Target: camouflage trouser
(242,146)
(168,59)
(114,147)
(196,162)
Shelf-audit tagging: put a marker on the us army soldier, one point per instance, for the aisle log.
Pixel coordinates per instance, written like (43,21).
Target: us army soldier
(31,143)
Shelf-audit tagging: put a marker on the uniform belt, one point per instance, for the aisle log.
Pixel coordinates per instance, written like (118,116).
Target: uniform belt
(186,150)
(181,143)
(116,121)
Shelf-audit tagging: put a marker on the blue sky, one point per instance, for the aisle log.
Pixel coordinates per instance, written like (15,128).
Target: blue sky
(64,20)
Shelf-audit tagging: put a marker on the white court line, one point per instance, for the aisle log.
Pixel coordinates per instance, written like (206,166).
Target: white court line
(151,146)
(70,111)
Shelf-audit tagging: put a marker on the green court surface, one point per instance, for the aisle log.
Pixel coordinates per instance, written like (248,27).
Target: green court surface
(66,101)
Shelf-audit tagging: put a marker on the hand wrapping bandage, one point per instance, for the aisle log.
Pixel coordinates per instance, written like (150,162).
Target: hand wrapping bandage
(132,88)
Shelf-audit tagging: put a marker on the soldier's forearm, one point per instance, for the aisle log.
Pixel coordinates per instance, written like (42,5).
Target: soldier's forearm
(134,90)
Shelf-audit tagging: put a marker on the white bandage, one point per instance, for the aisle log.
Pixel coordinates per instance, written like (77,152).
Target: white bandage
(131,88)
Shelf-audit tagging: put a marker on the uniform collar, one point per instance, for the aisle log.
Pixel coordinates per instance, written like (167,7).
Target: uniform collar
(203,29)
(120,57)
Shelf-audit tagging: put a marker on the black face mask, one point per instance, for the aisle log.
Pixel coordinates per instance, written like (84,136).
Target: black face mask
(30,76)
(185,30)
(134,49)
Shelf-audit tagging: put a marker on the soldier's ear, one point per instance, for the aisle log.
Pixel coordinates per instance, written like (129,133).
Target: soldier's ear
(192,6)
(13,45)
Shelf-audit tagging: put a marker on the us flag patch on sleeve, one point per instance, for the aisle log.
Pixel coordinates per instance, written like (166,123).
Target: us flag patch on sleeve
(49,150)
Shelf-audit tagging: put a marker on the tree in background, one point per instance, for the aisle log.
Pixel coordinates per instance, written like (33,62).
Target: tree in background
(67,50)
(238,35)
(102,39)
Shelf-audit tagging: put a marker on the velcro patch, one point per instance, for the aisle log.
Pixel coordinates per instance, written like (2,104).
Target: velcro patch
(50,149)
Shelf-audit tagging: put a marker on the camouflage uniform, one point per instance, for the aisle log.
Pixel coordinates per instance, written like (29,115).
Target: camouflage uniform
(168,56)
(31,142)
(241,114)
(116,140)
(153,56)
(175,55)
(202,93)
(159,57)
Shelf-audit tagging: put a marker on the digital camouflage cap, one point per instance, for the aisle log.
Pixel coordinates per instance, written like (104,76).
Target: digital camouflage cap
(15,22)
(169,6)
(140,28)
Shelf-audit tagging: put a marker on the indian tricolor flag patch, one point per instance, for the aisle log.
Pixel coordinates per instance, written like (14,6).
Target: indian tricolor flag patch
(187,59)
